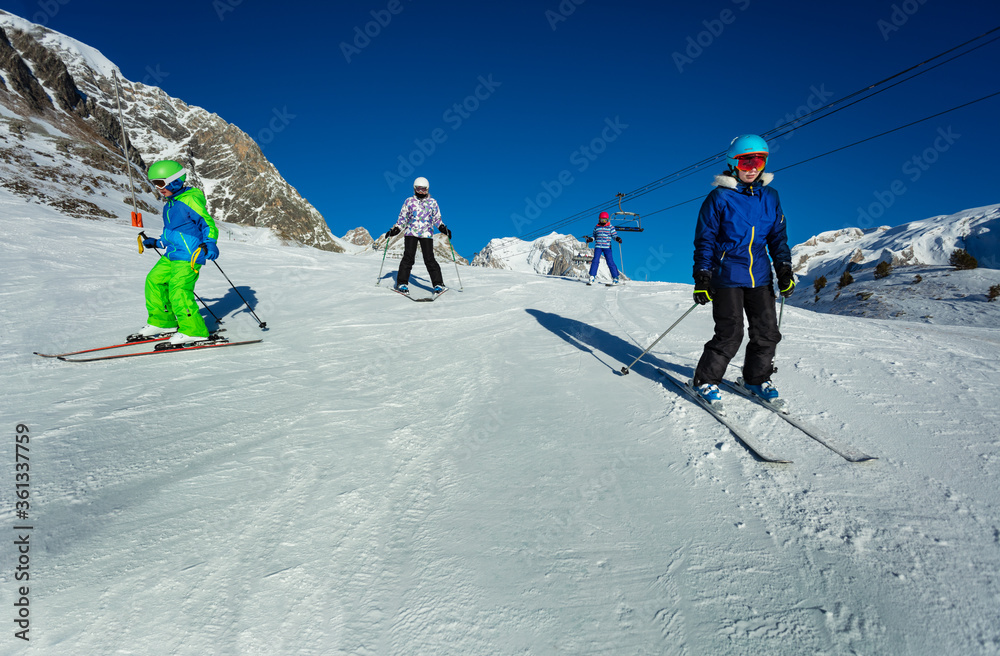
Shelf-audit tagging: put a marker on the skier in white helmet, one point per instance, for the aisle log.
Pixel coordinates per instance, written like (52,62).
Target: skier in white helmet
(419,216)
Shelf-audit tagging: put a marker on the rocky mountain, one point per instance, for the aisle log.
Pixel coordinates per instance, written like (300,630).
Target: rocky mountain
(62,137)
(925,242)
(553,255)
(919,283)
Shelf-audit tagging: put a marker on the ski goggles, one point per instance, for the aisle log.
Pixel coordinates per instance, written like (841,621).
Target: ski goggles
(751,161)
(160,183)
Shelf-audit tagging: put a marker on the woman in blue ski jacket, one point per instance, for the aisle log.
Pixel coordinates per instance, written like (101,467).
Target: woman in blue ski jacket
(740,232)
(604,232)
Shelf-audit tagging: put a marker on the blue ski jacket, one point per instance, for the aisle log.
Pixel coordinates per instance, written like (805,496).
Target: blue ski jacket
(186,225)
(738,226)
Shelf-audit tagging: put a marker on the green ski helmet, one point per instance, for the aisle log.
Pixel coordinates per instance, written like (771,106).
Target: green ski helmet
(165,171)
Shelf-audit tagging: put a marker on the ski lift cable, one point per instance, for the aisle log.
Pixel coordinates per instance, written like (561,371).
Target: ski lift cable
(798,124)
(850,145)
(795,124)
(835,150)
(798,121)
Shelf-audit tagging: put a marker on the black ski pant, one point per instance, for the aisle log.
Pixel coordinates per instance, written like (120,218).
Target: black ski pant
(410,254)
(728,306)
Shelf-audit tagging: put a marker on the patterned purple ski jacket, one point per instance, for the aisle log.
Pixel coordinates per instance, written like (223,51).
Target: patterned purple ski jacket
(418,218)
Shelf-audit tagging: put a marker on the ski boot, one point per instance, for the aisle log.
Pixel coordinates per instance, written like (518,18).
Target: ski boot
(403,289)
(709,393)
(149,331)
(180,339)
(765,390)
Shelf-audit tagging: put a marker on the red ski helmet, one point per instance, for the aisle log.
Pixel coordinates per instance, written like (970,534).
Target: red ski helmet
(603,216)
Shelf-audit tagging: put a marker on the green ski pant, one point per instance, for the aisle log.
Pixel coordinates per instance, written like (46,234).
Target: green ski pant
(170,297)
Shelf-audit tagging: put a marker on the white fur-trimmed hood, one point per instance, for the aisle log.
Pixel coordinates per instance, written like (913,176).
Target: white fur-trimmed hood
(729,182)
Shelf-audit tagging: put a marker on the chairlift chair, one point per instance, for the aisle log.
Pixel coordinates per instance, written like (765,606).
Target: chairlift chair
(625,221)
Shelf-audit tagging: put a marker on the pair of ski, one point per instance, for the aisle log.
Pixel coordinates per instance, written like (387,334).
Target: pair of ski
(844,451)
(426,299)
(160,348)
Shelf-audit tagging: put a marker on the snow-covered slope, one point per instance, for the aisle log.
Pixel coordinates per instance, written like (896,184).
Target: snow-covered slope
(472,476)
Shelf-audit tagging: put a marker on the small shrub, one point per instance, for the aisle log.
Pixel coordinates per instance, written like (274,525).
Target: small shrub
(819,284)
(917,278)
(845,280)
(994,293)
(882,270)
(961,260)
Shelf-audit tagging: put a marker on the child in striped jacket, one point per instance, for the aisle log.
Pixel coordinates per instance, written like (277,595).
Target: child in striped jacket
(604,232)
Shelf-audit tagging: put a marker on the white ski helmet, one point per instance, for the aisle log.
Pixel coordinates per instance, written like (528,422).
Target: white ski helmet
(421,182)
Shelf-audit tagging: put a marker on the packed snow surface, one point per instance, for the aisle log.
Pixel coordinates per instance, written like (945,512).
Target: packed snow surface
(473,475)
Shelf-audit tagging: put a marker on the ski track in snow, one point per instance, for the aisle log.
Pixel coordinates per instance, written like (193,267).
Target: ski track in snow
(474,476)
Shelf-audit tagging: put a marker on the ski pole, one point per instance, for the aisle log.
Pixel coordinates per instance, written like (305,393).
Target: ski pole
(136,214)
(379,281)
(453,259)
(142,235)
(625,369)
(260,324)
(781,313)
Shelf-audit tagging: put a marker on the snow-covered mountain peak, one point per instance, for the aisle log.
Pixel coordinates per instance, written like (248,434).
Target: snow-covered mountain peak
(553,254)
(926,242)
(57,97)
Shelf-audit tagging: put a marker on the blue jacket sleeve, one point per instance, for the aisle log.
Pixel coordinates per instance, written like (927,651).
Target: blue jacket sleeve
(777,238)
(706,233)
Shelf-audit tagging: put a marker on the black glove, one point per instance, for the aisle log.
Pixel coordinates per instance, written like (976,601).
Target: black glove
(444,230)
(786,280)
(149,242)
(618,239)
(392,233)
(703,291)
(588,239)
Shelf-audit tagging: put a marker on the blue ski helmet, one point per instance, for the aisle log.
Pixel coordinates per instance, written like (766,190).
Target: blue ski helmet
(745,144)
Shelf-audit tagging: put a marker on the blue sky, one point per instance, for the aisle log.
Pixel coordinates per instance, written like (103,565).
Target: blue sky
(523,114)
